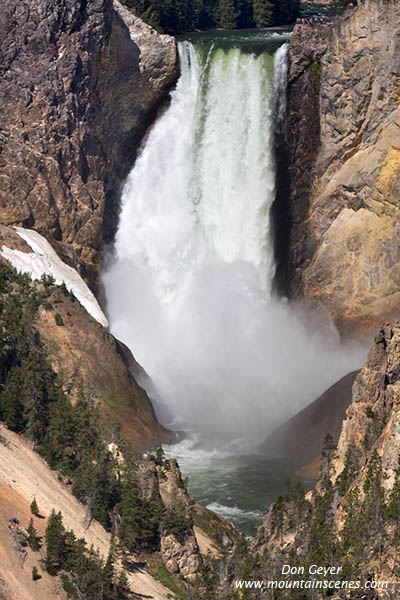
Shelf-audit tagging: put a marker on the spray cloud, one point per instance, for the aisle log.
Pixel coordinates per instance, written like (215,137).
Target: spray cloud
(190,288)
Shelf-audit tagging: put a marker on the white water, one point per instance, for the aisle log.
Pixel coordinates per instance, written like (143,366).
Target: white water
(280,85)
(190,288)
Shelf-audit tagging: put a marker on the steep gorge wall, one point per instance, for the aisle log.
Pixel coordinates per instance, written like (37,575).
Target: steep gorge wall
(81,81)
(364,475)
(83,353)
(338,245)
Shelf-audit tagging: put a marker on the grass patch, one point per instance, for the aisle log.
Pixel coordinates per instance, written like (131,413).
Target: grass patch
(161,573)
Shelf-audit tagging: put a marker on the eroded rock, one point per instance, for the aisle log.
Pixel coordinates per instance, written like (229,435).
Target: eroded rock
(342,247)
(181,555)
(80,84)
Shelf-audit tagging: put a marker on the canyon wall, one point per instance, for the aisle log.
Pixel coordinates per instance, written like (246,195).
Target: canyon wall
(80,349)
(353,512)
(338,211)
(81,82)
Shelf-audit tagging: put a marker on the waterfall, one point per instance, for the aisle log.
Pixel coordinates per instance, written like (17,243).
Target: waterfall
(189,290)
(280,84)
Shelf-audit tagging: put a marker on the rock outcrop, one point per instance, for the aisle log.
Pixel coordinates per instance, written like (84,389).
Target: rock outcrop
(353,512)
(181,555)
(81,82)
(338,242)
(373,417)
(206,537)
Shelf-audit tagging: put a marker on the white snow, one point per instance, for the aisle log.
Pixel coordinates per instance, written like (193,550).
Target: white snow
(44,260)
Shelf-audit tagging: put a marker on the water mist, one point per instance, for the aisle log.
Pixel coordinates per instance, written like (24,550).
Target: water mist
(189,290)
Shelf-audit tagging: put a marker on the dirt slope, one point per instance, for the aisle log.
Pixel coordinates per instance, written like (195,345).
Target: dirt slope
(24,475)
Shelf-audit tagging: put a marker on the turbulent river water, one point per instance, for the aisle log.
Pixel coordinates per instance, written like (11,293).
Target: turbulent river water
(189,289)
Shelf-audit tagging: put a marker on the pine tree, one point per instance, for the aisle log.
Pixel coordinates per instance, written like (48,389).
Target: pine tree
(34,508)
(55,542)
(123,589)
(11,407)
(262,13)
(108,573)
(33,538)
(227,14)
(373,506)
(327,453)
(393,504)
(349,473)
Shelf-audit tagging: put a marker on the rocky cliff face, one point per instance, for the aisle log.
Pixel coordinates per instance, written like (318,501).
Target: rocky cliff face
(354,512)
(81,81)
(340,242)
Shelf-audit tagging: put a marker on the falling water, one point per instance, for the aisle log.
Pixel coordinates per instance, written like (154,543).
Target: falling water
(190,287)
(280,85)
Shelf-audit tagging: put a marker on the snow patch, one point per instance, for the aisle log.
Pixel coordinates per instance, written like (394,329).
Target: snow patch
(45,261)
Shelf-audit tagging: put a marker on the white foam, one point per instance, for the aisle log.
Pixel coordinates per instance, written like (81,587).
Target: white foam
(234,512)
(190,290)
(45,261)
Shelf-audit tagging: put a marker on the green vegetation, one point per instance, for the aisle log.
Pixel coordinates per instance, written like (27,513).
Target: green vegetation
(176,522)
(35,574)
(369,519)
(212,525)
(58,319)
(316,71)
(71,437)
(84,573)
(178,16)
(351,468)
(244,564)
(162,574)
(33,538)
(34,508)
(159,457)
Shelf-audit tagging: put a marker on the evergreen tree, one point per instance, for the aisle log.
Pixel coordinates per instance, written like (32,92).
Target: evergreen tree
(262,13)
(11,407)
(34,508)
(393,504)
(33,538)
(177,16)
(351,534)
(108,576)
(227,14)
(327,454)
(55,543)
(349,473)
(123,589)
(286,11)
